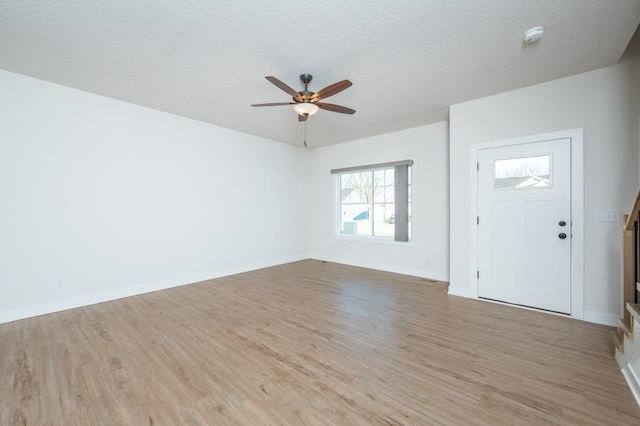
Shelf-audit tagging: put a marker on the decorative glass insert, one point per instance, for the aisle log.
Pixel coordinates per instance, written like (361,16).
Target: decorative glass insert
(523,172)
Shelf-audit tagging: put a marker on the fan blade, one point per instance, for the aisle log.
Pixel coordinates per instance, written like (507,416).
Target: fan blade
(331,90)
(275,104)
(302,117)
(336,108)
(284,87)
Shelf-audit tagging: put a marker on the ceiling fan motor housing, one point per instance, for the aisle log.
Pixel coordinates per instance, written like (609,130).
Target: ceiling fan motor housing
(306,94)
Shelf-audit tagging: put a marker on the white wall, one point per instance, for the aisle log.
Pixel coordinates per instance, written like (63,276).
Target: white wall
(119,199)
(633,54)
(600,102)
(427,254)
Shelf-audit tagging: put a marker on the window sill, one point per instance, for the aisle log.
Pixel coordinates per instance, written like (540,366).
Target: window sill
(373,240)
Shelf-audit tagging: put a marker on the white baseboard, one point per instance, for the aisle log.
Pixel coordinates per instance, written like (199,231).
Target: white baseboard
(601,318)
(387,268)
(632,381)
(76,302)
(461,292)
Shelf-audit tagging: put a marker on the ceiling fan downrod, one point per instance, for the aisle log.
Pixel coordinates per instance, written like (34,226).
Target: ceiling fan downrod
(306,79)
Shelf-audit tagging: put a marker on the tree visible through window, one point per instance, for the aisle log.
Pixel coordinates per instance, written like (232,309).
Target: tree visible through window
(372,199)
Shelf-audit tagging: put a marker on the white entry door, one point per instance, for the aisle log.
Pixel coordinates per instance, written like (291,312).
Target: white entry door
(524,224)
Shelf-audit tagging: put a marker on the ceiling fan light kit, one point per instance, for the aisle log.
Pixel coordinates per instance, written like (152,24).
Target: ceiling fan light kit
(306,108)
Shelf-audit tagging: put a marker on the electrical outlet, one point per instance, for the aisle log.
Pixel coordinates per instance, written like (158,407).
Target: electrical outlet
(60,282)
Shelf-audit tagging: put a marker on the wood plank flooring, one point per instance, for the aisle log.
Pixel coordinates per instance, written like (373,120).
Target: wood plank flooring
(309,343)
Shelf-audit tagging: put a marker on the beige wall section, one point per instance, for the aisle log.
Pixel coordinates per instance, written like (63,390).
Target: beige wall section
(600,102)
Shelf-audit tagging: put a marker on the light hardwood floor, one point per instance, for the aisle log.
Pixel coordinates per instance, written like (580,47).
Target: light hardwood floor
(309,343)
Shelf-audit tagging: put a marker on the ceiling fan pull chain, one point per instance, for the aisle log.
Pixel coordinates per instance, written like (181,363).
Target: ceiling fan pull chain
(305,134)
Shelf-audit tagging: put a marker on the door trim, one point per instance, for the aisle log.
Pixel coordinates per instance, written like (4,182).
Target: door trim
(577,209)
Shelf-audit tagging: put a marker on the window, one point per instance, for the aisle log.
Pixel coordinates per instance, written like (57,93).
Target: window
(375,200)
(522,173)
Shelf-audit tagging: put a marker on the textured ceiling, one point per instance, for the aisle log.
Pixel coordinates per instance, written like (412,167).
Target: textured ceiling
(408,59)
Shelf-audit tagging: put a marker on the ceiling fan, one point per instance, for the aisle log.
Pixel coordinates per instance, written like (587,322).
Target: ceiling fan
(306,102)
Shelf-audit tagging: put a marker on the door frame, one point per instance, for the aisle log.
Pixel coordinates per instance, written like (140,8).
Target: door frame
(577,210)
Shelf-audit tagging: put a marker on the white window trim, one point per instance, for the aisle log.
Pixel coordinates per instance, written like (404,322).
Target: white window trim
(337,204)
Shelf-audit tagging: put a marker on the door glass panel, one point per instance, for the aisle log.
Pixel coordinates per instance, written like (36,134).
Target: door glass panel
(522,173)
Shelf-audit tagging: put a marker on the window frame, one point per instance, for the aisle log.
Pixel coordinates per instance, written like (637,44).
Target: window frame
(338,206)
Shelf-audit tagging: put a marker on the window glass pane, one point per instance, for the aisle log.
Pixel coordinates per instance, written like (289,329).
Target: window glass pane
(388,194)
(356,196)
(361,182)
(345,180)
(379,198)
(384,191)
(389,176)
(355,219)
(355,187)
(383,225)
(523,172)
(378,186)
(389,185)
(367,202)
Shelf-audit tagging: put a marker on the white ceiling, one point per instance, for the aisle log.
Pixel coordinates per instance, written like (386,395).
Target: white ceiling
(408,59)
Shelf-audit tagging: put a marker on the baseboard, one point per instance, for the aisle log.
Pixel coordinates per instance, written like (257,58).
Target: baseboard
(387,268)
(77,302)
(461,292)
(601,318)
(632,381)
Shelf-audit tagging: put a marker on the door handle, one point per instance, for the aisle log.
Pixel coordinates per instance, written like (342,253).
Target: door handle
(562,223)
(562,235)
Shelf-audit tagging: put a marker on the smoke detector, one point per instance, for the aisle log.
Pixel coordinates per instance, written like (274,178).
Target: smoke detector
(534,34)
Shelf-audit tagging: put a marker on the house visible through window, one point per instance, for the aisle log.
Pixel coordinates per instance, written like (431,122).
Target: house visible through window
(523,172)
(375,200)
